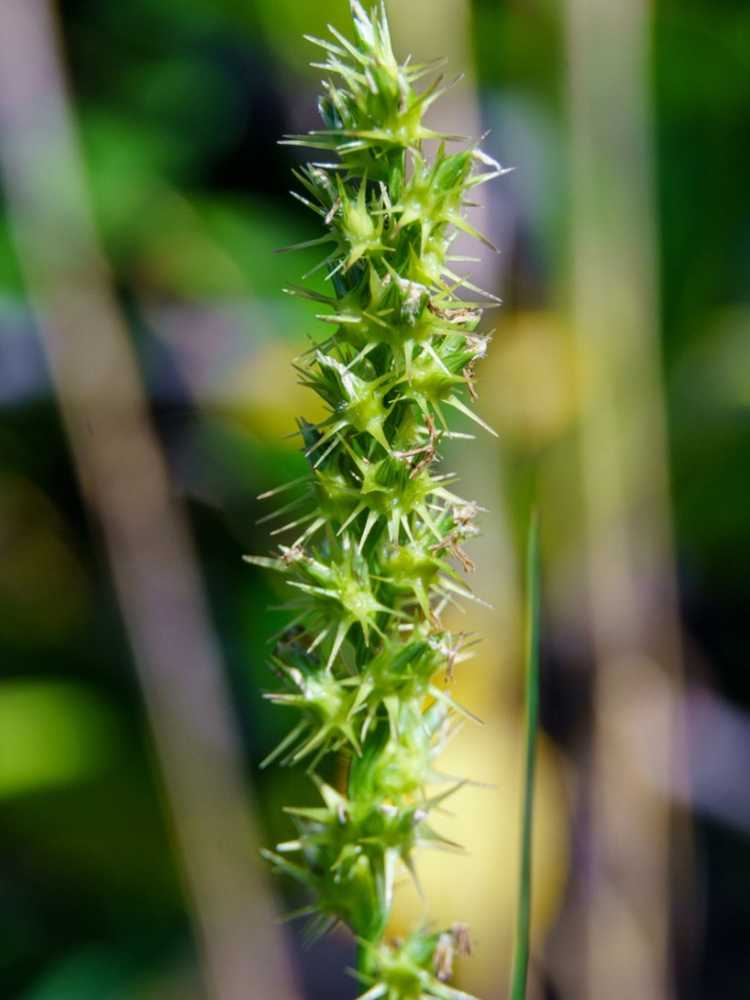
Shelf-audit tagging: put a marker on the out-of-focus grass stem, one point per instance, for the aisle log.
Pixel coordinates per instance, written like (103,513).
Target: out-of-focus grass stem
(124,480)
(532,626)
(632,607)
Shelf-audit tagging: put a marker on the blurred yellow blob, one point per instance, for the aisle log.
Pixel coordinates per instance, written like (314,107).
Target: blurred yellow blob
(479,888)
(265,395)
(532,364)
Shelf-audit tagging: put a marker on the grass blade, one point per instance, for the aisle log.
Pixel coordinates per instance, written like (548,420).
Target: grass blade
(523,915)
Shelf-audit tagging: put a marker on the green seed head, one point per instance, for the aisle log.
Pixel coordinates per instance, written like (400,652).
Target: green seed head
(378,555)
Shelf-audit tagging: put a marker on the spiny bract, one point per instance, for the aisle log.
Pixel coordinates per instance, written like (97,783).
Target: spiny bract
(373,567)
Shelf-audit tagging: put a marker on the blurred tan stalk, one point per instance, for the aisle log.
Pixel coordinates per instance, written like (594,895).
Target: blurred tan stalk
(631,574)
(124,479)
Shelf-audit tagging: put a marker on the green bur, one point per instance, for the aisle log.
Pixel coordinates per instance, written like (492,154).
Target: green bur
(377,561)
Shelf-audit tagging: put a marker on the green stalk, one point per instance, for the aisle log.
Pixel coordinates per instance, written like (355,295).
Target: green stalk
(533,613)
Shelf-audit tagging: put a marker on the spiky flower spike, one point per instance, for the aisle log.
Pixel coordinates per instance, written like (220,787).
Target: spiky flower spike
(379,533)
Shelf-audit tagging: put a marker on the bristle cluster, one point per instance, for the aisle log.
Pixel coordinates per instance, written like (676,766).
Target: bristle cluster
(378,551)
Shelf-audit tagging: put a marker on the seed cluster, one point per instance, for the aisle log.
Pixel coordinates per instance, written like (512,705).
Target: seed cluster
(366,658)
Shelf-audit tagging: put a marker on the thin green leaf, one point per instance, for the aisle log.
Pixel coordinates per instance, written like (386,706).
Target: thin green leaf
(523,916)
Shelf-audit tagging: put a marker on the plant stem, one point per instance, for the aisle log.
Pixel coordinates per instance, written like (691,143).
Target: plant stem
(533,615)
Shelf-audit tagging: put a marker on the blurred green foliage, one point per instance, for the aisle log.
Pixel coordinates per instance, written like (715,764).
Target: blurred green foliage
(51,734)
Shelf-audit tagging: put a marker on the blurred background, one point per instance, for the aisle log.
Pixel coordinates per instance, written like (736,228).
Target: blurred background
(147,396)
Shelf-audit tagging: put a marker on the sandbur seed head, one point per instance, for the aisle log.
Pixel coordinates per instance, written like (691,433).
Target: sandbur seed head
(379,553)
